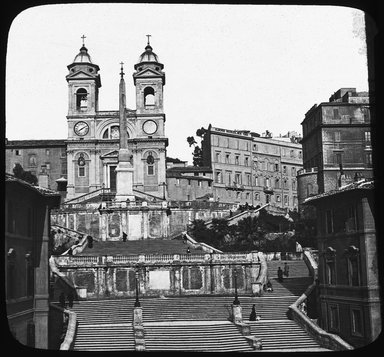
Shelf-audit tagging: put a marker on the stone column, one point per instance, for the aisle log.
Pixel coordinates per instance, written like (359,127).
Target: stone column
(138,329)
(41,303)
(103,223)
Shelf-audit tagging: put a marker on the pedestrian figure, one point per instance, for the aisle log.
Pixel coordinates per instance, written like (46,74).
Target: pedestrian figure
(252,316)
(269,286)
(62,299)
(70,299)
(280,275)
(286,269)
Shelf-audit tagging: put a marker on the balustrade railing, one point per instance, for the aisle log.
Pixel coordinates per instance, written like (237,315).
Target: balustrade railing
(151,258)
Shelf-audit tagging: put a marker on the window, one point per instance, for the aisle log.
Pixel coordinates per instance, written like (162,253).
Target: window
(81,99)
(47,152)
(285,184)
(278,198)
(177,182)
(300,155)
(63,152)
(246,161)
(189,182)
(276,167)
(236,159)
(328,221)
(353,271)
(217,157)
(256,181)
(293,171)
(284,169)
(81,171)
(267,181)
(309,189)
(218,177)
(149,96)
(229,177)
(286,200)
(32,160)
(48,165)
(17,152)
(238,178)
(367,137)
(209,183)
(292,153)
(333,318)
(113,132)
(227,158)
(336,113)
(357,322)
(351,223)
(337,136)
(294,185)
(199,183)
(277,183)
(368,159)
(238,195)
(330,266)
(337,158)
(248,179)
(150,164)
(255,147)
(257,196)
(247,195)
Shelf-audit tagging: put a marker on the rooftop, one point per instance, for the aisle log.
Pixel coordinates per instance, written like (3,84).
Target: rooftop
(42,190)
(363,184)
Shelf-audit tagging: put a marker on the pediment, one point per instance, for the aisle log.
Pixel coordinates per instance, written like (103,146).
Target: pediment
(80,75)
(146,72)
(112,154)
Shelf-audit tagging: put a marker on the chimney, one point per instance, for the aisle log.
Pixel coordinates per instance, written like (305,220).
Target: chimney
(43,178)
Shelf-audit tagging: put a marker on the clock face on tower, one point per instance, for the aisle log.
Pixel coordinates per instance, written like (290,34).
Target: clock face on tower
(150,127)
(81,128)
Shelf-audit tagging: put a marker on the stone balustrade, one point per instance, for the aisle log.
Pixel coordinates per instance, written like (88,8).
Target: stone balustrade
(75,260)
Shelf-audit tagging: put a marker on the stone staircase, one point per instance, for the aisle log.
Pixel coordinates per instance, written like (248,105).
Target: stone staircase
(220,337)
(198,323)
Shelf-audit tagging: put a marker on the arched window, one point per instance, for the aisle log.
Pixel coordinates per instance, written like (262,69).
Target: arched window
(112,132)
(81,165)
(149,96)
(150,164)
(81,99)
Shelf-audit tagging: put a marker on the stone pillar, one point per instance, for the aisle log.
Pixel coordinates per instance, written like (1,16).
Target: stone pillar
(103,220)
(237,316)
(145,220)
(138,329)
(41,304)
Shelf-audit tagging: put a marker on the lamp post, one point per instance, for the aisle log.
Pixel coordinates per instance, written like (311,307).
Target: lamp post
(137,302)
(236,301)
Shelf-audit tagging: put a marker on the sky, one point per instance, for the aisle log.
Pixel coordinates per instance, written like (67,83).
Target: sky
(246,67)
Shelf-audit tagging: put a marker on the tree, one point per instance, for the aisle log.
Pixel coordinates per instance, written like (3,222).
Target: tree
(26,176)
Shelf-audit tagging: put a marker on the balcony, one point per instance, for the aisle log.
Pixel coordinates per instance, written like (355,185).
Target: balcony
(234,187)
(268,189)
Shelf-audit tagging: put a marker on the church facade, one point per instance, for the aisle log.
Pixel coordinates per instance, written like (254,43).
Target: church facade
(93,135)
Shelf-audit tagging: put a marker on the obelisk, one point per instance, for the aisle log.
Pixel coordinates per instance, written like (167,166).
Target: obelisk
(124,169)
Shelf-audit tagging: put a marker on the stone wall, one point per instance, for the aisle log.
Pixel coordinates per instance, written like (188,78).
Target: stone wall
(138,222)
(173,275)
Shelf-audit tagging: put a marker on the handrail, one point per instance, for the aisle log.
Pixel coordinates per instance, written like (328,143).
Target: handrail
(196,244)
(79,247)
(71,327)
(90,194)
(325,339)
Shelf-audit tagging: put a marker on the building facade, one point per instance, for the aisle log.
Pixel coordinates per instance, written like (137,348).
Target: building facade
(253,169)
(46,159)
(93,135)
(336,143)
(27,228)
(349,291)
